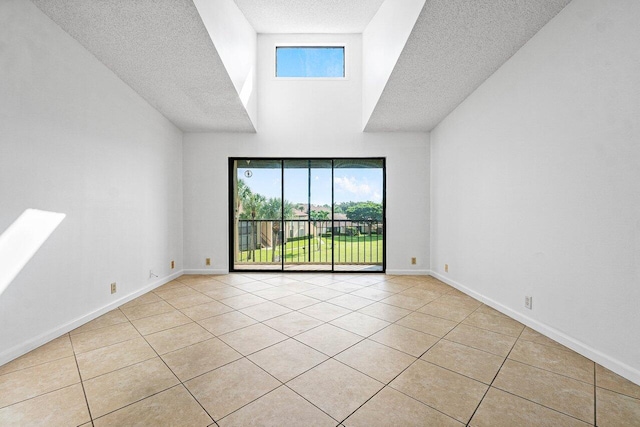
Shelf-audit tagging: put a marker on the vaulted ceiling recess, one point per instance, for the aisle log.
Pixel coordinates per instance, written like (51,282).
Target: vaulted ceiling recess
(195,60)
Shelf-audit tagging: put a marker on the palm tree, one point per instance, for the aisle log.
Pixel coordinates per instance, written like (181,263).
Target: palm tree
(273,211)
(251,206)
(243,192)
(318,216)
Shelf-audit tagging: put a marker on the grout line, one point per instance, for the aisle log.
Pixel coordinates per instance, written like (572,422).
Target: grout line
(565,349)
(133,403)
(358,342)
(174,374)
(37,364)
(311,403)
(595,395)
(287,337)
(495,376)
(99,328)
(75,357)
(544,406)
(38,395)
(259,397)
(551,372)
(537,403)
(420,358)
(399,391)
(411,311)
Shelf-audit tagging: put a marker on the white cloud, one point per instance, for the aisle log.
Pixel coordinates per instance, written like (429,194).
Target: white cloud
(351,185)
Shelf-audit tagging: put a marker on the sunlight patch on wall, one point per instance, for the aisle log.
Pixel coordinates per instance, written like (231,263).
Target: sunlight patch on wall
(22,240)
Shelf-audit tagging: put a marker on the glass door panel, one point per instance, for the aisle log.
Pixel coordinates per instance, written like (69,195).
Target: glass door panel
(307,194)
(258,215)
(358,227)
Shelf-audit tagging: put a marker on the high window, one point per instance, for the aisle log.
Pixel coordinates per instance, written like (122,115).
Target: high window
(310,61)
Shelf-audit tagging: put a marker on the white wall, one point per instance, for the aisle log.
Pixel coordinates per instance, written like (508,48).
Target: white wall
(536,184)
(75,139)
(382,43)
(314,118)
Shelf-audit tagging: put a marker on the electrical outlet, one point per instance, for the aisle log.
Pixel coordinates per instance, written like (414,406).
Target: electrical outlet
(446,268)
(208,261)
(113,288)
(528,302)
(413,261)
(173,264)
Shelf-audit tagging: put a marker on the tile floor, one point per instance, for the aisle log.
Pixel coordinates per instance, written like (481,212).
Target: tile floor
(310,350)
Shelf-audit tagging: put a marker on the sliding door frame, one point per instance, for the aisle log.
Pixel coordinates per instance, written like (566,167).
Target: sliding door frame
(232,172)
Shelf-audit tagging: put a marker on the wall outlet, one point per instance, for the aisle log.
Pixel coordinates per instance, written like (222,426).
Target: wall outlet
(208,261)
(528,302)
(446,268)
(413,261)
(173,264)
(113,288)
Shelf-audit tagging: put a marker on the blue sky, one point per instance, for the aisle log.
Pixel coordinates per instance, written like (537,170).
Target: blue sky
(310,61)
(358,185)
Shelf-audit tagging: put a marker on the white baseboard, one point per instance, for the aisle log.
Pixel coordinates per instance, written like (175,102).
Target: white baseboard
(408,272)
(629,372)
(206,271)
(25,347)
(391,272)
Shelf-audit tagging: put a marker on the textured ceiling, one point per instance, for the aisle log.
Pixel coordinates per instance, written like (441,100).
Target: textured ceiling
(162,50)
(309,16)
(454,47)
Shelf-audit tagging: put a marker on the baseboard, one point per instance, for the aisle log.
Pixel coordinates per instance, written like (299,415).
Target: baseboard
(408,272)
(209,271)
(391,272)
(23,348)
(597,356)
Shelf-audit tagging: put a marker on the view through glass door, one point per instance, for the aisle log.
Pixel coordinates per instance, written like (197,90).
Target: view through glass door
(332,217)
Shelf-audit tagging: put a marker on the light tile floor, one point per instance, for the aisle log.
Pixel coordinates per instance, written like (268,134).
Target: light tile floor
(310,350)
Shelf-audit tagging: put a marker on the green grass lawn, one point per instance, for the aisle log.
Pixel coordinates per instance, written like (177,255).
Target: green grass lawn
(348,249)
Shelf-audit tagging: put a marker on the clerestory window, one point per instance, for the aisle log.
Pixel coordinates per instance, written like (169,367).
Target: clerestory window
(310,61)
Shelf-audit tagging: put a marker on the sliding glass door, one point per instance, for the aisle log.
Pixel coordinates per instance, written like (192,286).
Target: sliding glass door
(307,214)
(307,183)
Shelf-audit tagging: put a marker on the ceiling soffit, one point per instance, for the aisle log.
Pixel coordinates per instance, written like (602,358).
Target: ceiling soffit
(454,47)
(163,51)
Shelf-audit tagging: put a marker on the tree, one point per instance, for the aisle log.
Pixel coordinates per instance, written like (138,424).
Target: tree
(365,211)
(316,216)
(343,206)
(251,206)
(272,210)
(244,192)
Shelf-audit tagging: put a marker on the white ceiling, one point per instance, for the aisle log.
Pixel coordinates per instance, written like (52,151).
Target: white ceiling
(454,47)
(309,16)
(163,51)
